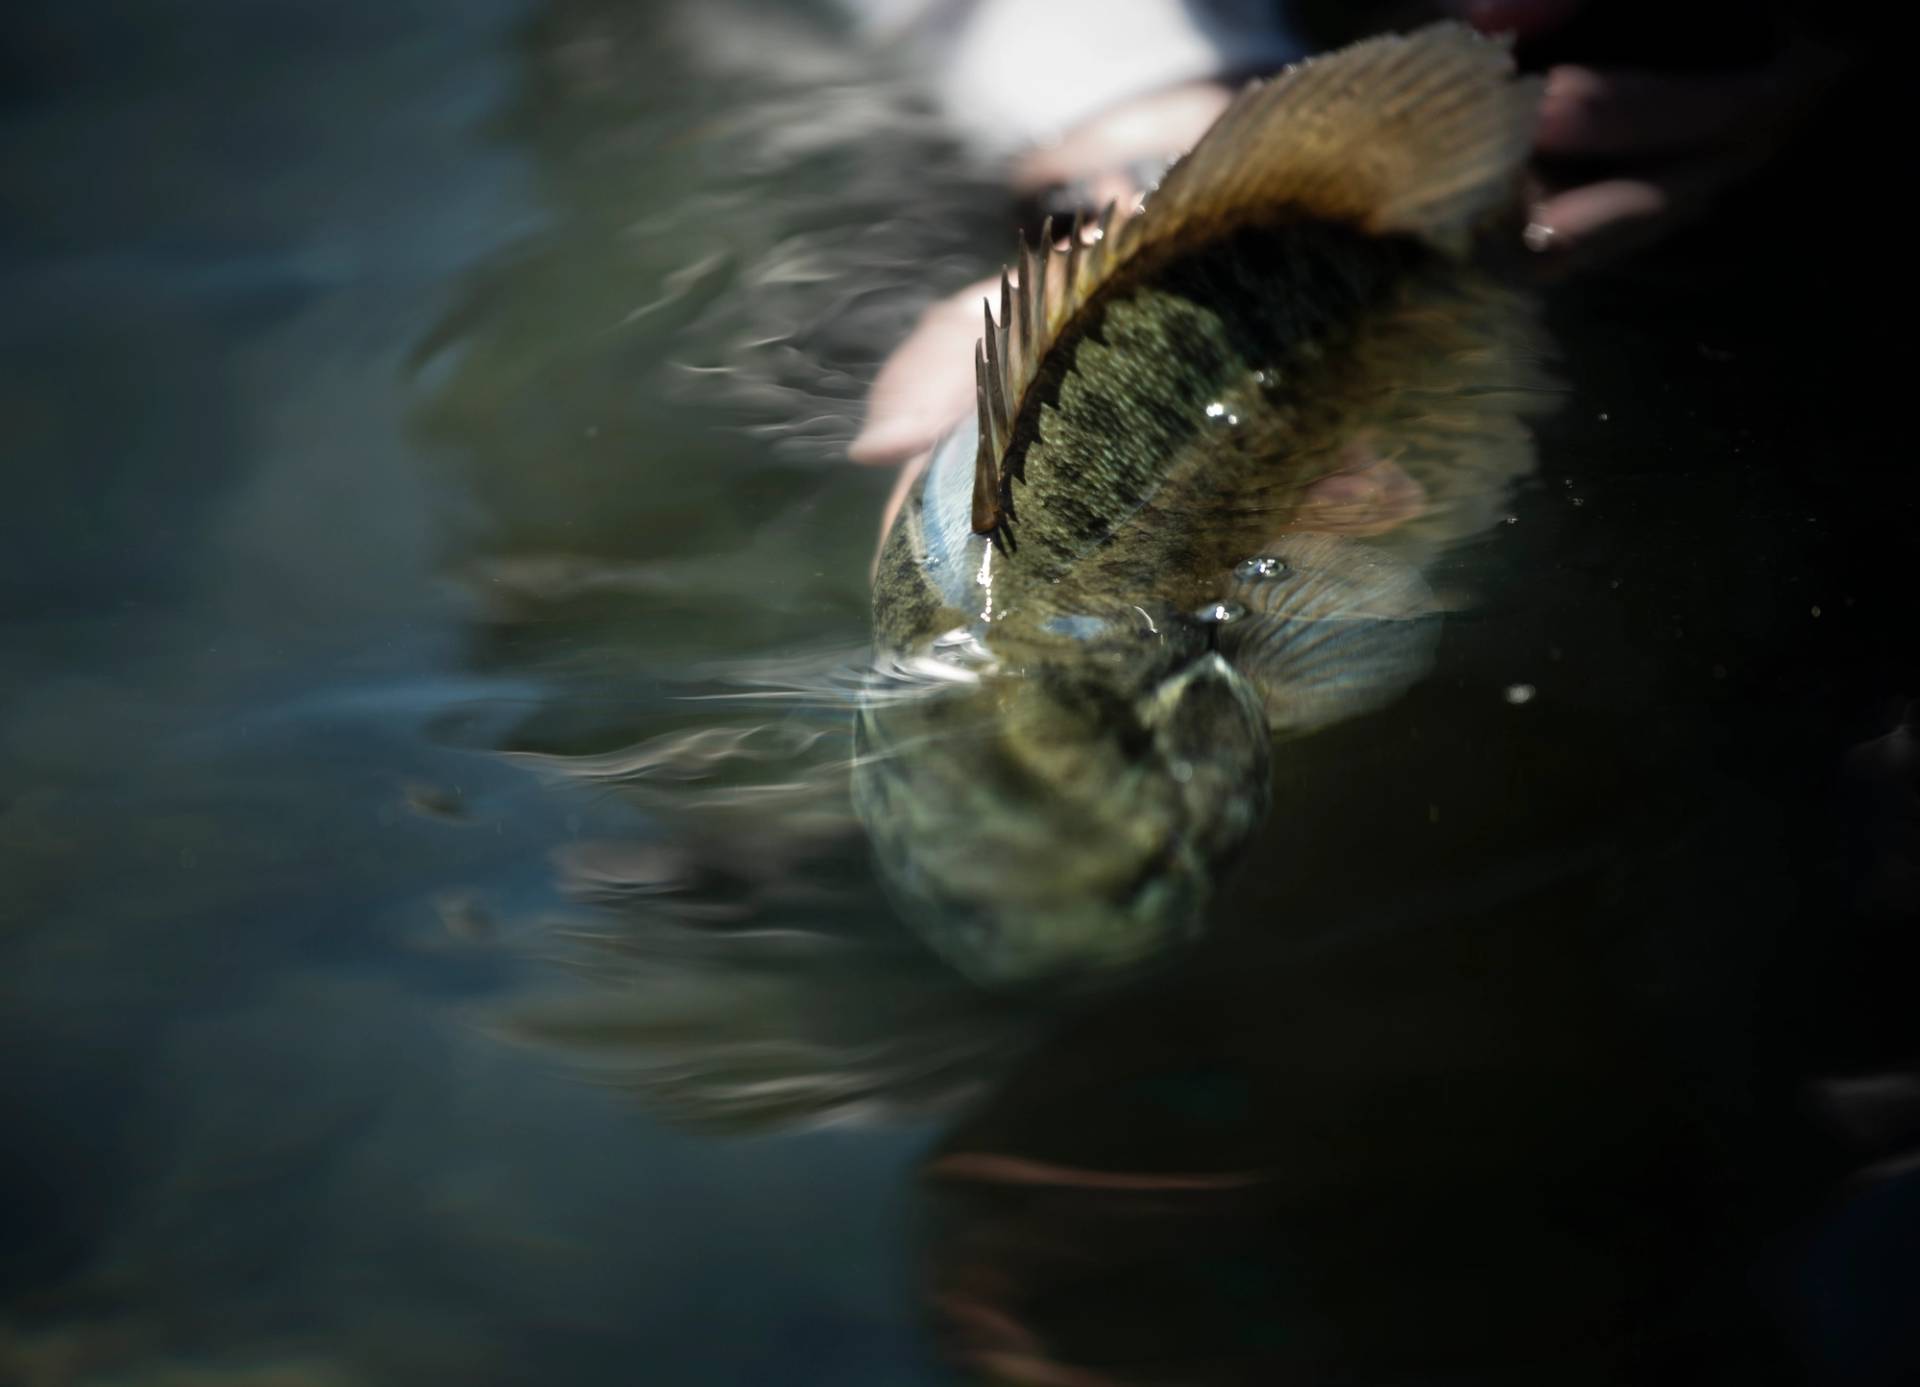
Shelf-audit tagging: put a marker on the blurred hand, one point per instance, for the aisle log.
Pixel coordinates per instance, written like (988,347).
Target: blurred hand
(1672,143)
(927,384)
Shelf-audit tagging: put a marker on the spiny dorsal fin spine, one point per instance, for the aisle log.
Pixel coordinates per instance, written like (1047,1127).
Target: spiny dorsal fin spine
(1023,315)
(1415,134)
(1054,283)
(986,471)
(996,398)
(1074,247)
(1005,328)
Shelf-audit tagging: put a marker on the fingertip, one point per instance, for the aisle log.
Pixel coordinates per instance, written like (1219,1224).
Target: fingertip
(886,443)
(1568,220)
(1599,221)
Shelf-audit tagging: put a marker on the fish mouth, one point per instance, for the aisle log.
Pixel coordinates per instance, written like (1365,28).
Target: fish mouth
(1033,836)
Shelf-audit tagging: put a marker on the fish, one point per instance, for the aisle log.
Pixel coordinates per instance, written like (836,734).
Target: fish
(1220,438)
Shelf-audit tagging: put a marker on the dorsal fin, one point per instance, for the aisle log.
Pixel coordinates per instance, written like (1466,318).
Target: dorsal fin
(1418,134)
(1055,283)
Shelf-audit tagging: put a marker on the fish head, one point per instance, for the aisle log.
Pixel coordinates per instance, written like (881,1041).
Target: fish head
(1067,825)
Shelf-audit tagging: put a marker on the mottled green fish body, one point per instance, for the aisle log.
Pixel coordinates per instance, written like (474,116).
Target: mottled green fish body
(1113,572)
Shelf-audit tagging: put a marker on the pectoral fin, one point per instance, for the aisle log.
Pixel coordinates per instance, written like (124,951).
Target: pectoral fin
(1327,628)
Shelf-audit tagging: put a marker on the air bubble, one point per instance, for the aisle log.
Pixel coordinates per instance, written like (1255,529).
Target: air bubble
(1265,566)
(1222,611)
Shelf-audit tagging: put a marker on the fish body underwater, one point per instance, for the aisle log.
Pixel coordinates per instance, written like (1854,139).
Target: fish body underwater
(1217,442)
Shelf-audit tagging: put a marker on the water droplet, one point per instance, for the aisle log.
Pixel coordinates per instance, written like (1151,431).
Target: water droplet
(1263,377)
(1181,771)
(1520,693)
(1265,566)
(1579,500)
(1513,520)
(1537,237)
(1816,611)
(1604,416)
(1216,410)
(1222,611)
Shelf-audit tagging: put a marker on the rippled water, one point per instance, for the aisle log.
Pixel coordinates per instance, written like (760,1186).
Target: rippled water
(418,413)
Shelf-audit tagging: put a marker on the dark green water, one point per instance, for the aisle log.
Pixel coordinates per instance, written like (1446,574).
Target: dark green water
(252,1119)
(367,453)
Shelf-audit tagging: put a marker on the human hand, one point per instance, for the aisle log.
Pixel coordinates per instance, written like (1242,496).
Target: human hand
(1671,144)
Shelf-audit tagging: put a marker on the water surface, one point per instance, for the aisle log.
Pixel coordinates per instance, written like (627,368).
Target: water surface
(406,401)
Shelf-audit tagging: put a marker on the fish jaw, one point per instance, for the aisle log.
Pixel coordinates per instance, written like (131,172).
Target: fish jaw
(1039,834)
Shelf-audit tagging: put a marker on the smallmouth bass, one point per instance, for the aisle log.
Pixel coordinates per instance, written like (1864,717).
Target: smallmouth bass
(1217,441)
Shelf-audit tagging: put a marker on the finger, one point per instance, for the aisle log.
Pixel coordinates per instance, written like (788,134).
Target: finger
(1590,114)
(1571,219)
(1523,18)
(926,384)
(1578,227)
